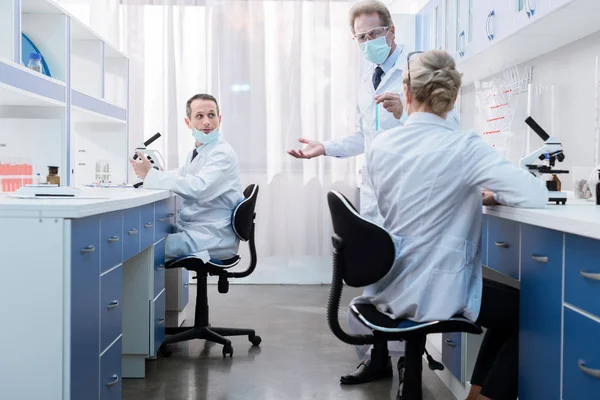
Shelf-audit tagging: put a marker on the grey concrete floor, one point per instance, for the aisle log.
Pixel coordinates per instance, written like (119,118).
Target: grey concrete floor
(299,357)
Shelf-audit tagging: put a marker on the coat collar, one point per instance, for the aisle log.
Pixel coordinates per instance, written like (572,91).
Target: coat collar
(427,118)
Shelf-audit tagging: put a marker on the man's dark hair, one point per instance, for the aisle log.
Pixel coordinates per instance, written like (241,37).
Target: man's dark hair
(201,96)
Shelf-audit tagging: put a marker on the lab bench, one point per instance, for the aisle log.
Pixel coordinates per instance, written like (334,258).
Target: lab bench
(86,280)
(553,256)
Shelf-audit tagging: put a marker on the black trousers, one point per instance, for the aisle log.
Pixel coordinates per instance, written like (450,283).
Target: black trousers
(496,369)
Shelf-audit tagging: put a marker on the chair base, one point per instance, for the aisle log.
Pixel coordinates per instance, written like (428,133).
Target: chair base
(212,334)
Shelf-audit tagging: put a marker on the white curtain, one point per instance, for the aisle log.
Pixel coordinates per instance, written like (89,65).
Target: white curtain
(281,70)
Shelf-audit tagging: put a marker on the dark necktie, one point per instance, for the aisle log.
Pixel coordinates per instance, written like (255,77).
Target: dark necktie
(377,77)
(194,154)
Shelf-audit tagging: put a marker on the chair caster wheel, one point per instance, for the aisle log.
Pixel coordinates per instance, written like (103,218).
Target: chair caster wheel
(227,349)
(165,350)
(255,340)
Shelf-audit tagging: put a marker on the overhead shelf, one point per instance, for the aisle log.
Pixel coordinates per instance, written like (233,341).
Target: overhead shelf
(560,27)
(20,86)
(101,109)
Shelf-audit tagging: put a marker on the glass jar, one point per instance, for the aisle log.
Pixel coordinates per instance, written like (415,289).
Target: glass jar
(53,178)
(35,62)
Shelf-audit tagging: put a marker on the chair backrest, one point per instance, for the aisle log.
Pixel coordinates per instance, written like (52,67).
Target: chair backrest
(244,213)
(367,251)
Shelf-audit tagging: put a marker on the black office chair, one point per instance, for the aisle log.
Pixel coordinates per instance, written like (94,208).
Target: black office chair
(243,226)
(358,268)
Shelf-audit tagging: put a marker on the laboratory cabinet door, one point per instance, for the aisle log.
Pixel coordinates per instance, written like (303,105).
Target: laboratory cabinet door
(540,313)
(465,33)
(526,11)
(426,28)
(492,22)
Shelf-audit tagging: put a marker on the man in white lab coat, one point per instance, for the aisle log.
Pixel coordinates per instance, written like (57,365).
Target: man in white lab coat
(379,108)
(208,182)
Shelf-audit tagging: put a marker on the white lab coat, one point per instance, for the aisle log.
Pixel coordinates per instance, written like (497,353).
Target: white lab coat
(211,189)
(360,141)
(427,178)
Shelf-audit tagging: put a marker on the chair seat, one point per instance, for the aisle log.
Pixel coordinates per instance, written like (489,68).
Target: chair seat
(193,263)
(374,319)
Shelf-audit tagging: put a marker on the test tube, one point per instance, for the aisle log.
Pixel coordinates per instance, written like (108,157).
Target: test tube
(377,117)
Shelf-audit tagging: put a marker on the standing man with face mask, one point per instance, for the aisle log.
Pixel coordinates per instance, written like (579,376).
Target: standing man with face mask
(379,108)
(208,182)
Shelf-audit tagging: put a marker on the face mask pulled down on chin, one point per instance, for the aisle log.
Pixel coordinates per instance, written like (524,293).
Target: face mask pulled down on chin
(205,138)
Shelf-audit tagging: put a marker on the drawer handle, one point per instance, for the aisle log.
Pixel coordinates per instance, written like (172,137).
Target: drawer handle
(148,225)
(161,321)
(171,215)
(113,239)
(502,244)
(450,343)
(114,381)
(113,304)
(161,219)
(592,372)
(186,284)
(89,249)
(132,232)
(161,267)
(542,259)
(590,275)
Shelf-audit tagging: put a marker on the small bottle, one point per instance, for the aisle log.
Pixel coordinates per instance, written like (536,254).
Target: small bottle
(38,178)
(35,62)
(598,190)
(558,183)
(53,177)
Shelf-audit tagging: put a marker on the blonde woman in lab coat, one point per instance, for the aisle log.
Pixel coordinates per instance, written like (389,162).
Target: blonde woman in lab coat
(208,182)
(427,178)
(380,87)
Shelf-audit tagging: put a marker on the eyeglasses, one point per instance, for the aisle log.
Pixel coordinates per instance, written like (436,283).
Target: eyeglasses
(408,64)
(371,34)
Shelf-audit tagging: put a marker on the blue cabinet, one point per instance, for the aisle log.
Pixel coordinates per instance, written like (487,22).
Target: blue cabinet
(85,307)
(159,267)
(484,241)
(540,313)
(581,365)
(110,373)
(147,225)
(503,246)
(131,233)
(158,322)
(582,273)
(111,242)
(111,297)
(452,354)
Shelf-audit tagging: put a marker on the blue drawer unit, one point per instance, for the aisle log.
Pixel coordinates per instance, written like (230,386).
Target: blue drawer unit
(159,267)
(581,368)
(111,373)
(540,313)
(85,307)
(158,322)
(131,233)
(165,218)
(147,225)
(503,246)
(185,290)
(582,273)
(111,240)
(452,354)
(484,241)
(111,297)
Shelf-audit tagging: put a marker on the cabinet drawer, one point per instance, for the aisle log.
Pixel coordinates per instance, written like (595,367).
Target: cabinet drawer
(582,273)
(484,241)
(85,307)
(452,353)
(147,224)
(581,369)
(111,297)
(157,323)
(540,313)
(111,372)
(503,246)
(159,267)
(165,217)
(131,233)
(111,240)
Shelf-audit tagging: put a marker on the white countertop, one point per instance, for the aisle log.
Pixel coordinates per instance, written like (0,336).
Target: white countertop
(106,200)
(579,217)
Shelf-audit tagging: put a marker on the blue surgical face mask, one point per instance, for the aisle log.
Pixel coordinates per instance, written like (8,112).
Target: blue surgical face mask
(205,138)
(376,50)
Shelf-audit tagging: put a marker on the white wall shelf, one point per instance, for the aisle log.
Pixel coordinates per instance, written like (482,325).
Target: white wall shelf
(87,93)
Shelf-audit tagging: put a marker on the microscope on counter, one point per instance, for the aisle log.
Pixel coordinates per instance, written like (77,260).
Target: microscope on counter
(153,155)
(547,155)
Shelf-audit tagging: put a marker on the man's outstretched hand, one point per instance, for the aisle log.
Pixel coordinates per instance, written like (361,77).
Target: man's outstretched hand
(312,149)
